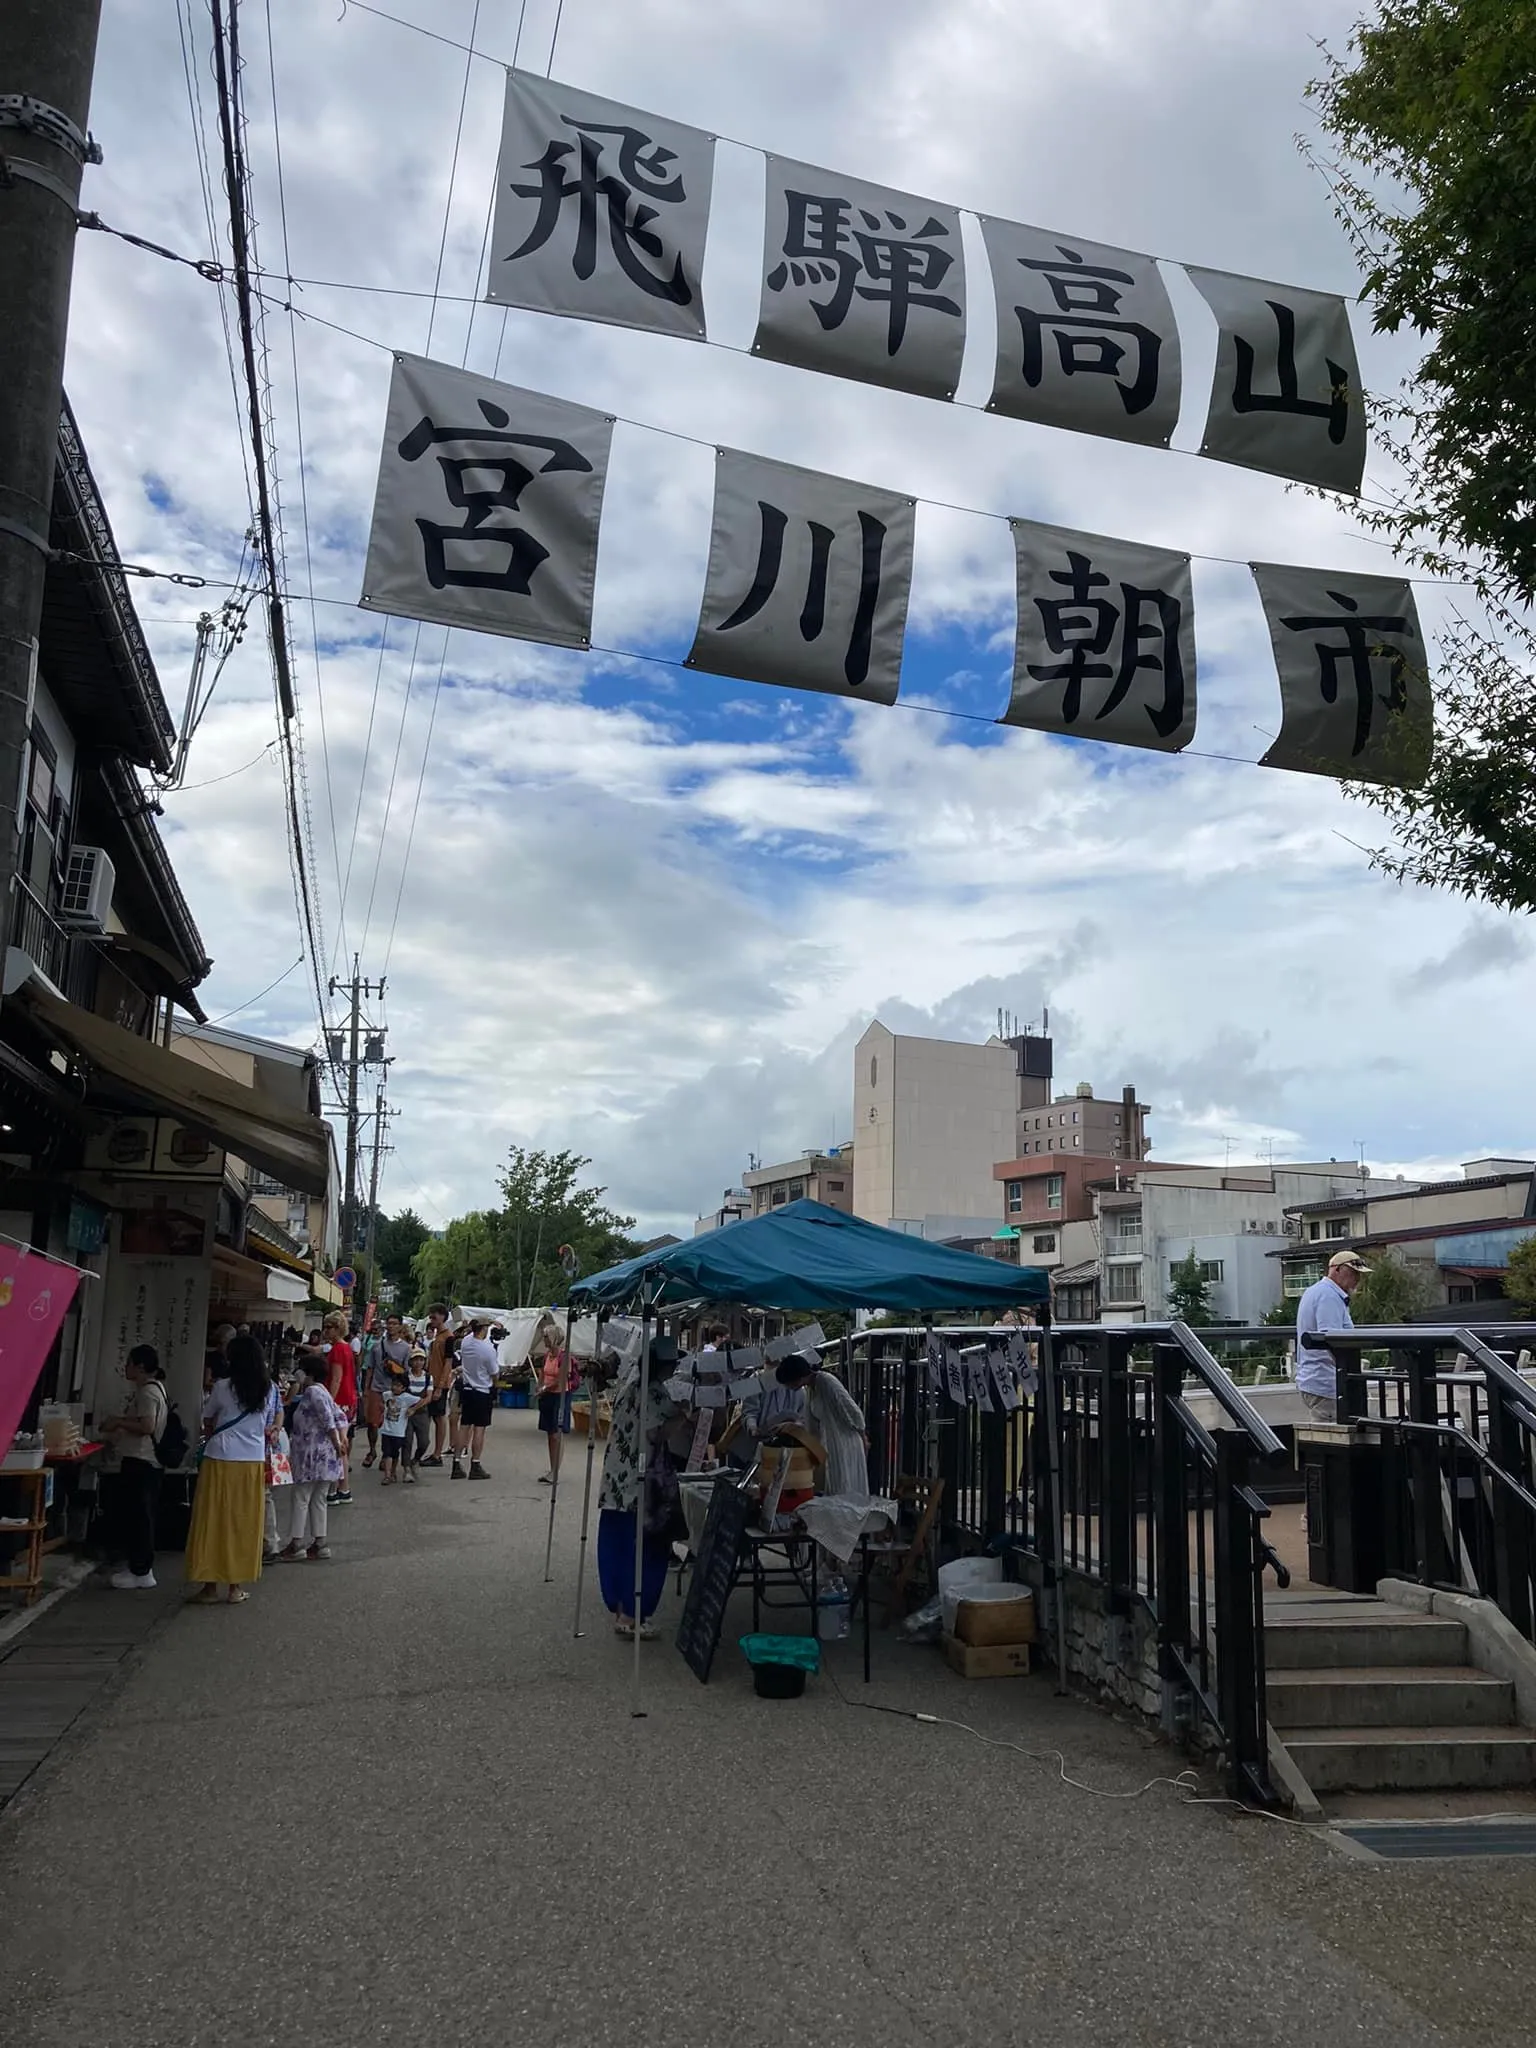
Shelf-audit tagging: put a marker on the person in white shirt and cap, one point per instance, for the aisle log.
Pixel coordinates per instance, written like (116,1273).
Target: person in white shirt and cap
(1325,1307)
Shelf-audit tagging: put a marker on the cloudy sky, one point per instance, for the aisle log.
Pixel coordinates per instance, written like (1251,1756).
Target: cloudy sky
(646,914)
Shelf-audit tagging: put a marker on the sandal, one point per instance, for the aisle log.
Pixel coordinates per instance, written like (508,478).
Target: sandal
(206,1596)
(370,1459)
(625,1628)
(235,1596)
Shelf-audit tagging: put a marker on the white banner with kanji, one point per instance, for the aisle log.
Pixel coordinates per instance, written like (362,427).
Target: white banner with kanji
(601,210)
(808,580)
(1286,394)
(1355,694)
(488,505)
(1106,639)
(861,281)
(1086,335)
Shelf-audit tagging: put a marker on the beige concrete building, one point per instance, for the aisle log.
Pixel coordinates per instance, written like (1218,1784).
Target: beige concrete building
(825,1177)
(930,1118)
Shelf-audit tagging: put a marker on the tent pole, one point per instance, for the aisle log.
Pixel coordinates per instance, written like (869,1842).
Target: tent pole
(1051,1395)
(554,1477)
(642,1455)
(586,1498)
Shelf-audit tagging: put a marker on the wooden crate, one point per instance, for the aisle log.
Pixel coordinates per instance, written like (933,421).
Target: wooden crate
(990,1660)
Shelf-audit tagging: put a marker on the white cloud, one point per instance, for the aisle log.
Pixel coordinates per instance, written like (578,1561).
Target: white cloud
(649,914)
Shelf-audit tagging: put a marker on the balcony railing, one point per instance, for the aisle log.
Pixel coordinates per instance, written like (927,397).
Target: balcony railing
(68,960)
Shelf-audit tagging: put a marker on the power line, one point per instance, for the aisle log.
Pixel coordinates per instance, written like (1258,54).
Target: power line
(298,422)
(442,251)
(232,129)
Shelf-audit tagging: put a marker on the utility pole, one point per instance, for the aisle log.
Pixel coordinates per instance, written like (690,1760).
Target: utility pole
(47,57)
(360,1052)
(381,1117)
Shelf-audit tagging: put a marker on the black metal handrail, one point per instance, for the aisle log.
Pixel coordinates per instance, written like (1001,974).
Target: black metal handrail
(1104,1473)
(1460,1455)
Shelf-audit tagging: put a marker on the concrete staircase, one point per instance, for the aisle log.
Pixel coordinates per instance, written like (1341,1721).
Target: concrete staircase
(1368,1696)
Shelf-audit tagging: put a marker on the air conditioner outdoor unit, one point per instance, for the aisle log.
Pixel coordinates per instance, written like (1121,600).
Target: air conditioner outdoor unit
(87,895)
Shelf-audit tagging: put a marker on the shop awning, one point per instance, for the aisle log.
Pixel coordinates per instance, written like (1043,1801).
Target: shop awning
(325,1290)
(806,1255)
(275,1254)
(139,1074)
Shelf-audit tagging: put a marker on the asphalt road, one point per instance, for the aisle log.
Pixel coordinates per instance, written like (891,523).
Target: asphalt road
(392,1800)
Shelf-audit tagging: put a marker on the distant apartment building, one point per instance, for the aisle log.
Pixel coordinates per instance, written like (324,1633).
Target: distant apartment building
(932,1117)
(735,1207)
(825,1177)
(1116,1265)
(1459,1232)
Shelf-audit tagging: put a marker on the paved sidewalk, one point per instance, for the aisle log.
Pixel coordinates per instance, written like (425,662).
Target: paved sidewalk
(391,1800)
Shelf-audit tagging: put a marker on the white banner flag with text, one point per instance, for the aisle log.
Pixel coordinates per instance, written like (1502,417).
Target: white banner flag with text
(1355,693)
(808,580)
(1086,337)
(601,210)
(1106,639)
(860,281)
(1286,394)
(488,505)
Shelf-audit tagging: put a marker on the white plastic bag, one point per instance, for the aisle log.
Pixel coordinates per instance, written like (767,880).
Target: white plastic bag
(961,1579)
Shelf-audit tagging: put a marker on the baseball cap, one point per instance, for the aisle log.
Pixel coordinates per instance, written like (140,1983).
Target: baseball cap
(1352,1259)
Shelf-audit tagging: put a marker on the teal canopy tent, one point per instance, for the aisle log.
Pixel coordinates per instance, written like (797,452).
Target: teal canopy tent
(807,1256)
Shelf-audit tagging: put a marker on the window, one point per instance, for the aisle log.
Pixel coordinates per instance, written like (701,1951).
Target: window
(776,1199)
(1077,1137)
(834,1187)
(1314,1230)
(1015,1198)
(1046,1242)
(1055,1190)
(1338,1226)
(1075,1304)
(1122,1283)
(1122,1231)
(874,1069)
(1212,1271)
(1300,1277)
(1116,1119)
(797,1190)
(1075,1117)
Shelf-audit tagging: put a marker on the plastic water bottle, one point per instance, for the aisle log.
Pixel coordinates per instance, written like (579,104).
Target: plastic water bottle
(832,1615)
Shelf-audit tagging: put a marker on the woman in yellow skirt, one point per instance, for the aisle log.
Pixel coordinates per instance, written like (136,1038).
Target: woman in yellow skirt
(225,1541)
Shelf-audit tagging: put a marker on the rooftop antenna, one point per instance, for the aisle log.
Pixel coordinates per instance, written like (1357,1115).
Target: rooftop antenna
(1228,1142)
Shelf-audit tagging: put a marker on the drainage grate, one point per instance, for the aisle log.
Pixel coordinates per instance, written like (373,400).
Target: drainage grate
(1396,1841)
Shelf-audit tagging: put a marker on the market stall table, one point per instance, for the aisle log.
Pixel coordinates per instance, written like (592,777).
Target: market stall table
(37,1497)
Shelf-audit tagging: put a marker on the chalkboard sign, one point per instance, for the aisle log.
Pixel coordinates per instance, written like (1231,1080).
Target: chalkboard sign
(714,1576)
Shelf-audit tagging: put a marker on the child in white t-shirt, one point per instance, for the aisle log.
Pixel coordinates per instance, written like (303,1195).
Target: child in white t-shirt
(399,1404)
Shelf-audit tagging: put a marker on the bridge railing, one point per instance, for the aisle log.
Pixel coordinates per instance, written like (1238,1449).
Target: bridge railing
(1102,1473)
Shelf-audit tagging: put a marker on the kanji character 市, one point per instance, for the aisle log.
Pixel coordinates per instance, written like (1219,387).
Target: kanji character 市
(1355,656)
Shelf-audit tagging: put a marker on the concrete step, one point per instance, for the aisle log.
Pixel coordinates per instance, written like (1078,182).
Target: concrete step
(1411,1759)
(1369,1636)
(1391,1696)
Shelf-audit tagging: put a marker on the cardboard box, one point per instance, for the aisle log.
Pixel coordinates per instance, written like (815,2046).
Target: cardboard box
(982,1623)
(994,1660)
